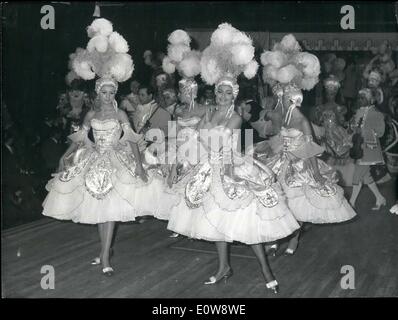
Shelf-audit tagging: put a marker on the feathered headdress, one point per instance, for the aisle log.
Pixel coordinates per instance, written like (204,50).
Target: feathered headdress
(72,75)
(180,57)
(293,69)
(331,82)
(105,55)
(287,64)
(230,53)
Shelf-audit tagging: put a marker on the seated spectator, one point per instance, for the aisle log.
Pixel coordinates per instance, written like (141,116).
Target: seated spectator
(131,101)
(170,98)
(207,98)
(145,109)
(76,109)
(160,81)
(160,120)
(250,112)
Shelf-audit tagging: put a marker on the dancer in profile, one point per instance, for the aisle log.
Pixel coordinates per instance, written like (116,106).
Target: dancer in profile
(228,197)
(188,112)
(310,184)
(104,181)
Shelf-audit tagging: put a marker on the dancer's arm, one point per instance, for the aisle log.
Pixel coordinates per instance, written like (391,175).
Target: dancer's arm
(208,120)
(135,140)
(77,139)
(172,175)
(234,123)
(72,148)
(312,162)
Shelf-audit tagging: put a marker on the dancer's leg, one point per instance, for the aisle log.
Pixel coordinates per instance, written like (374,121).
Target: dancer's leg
(223,263)
(258,250)
(380,200)
(356,188)
(102,237)
(108,236)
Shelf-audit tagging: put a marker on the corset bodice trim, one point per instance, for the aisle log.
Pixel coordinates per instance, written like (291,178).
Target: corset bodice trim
(96,124)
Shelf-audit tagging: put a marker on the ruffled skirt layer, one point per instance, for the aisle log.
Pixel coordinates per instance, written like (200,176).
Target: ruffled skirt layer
(103,188)
(310,202)
(219,218)
(308,205)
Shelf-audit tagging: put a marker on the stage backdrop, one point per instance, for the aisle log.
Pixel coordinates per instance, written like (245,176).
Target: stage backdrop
(349,41)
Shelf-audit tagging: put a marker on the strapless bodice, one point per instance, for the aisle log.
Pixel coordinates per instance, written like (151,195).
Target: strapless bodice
(186,129)
(190,122)
(106,133)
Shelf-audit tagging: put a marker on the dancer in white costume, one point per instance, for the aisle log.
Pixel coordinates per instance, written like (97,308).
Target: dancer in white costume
(180,57)
(310,184)
(188,112)
(104,181)
(227,197)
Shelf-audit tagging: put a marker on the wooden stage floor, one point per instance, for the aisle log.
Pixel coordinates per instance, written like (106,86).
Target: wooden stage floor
(149,264)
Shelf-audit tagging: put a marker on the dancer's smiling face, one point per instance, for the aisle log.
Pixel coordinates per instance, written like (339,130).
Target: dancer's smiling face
(224,95)
(107,94)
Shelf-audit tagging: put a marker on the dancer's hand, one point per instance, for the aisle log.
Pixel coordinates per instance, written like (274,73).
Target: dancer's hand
(139,170)
(61,165)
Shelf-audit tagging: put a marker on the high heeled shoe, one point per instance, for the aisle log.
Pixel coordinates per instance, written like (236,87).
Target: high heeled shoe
(97,260)
(108,271)
(271,250)
(273,286)
(213,280)
(174,235)
(394,209)
(291,250)
(379,204)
